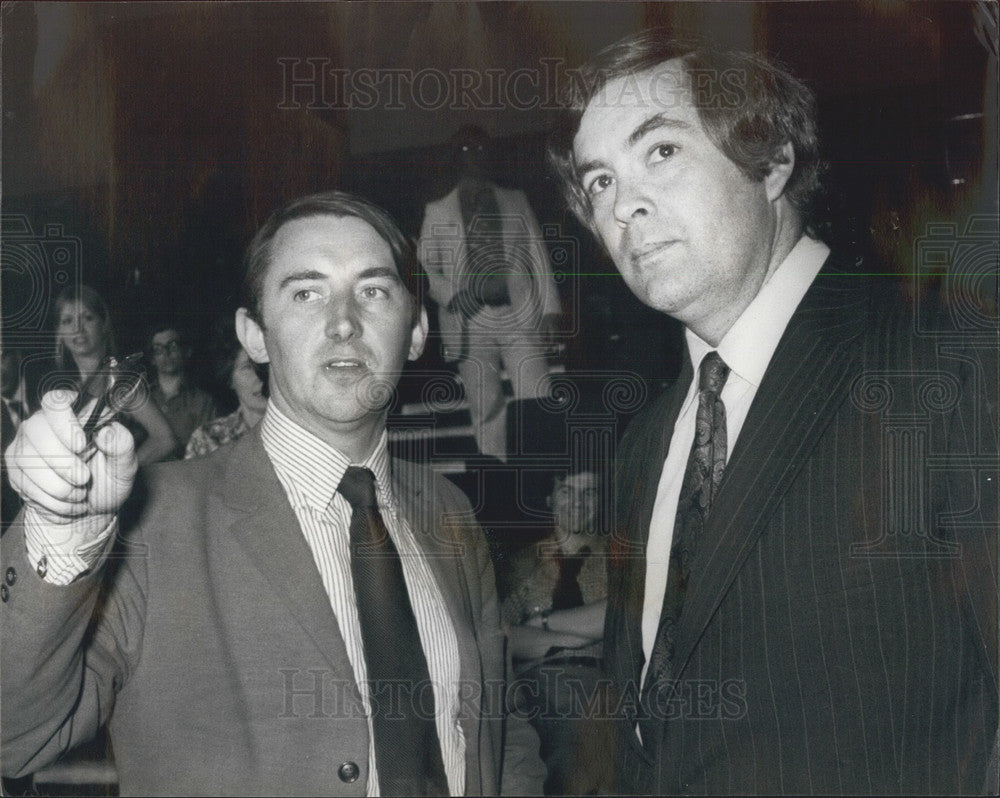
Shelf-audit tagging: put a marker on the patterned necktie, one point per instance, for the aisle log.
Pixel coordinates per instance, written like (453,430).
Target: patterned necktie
(701,482)
(407,749)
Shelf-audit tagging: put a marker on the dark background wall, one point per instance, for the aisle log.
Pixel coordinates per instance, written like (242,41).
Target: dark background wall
(145,141)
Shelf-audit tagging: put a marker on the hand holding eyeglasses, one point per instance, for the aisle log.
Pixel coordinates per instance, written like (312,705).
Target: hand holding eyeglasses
(71,462)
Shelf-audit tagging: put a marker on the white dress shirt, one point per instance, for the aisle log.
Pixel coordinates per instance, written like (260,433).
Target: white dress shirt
(747,349)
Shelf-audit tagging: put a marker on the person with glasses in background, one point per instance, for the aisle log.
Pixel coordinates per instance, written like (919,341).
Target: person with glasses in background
(185,406)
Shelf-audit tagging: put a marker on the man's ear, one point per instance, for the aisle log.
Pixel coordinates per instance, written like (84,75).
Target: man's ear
(781,170)
(251,335)
(419,336)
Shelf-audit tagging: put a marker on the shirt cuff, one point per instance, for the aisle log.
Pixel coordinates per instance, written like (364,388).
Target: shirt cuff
(59,553)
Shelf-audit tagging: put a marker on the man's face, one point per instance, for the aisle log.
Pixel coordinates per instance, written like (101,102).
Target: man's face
(168,353)
(338,324)
(574,502)
(689,232)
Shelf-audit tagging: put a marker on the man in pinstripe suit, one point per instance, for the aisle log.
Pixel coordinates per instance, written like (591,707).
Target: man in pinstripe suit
(229,655)
(832,625)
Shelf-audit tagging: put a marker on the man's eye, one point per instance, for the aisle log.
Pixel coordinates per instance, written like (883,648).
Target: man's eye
(305,295)
(662,151)
(598,184)
(373,292)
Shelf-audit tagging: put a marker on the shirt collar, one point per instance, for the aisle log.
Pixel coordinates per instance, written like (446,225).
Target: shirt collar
(750,343)
(313,467)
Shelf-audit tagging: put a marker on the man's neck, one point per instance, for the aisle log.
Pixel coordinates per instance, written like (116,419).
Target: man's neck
(570,543)
(713,328)
(356,440)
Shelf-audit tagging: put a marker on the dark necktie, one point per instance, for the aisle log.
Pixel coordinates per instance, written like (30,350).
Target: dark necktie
(407,749)
(567,593)
(702,476)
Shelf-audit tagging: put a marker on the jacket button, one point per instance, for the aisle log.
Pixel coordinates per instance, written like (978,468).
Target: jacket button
(349,772)
(4,593)
(11,576)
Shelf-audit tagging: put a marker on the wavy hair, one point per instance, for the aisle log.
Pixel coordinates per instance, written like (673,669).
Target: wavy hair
(750,108)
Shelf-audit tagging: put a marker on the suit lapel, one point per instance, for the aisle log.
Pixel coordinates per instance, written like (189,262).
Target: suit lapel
(639,466)
(266,527)
(807,380)
(645,467)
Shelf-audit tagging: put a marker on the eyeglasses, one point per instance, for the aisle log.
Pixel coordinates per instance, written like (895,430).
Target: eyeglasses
(174,347)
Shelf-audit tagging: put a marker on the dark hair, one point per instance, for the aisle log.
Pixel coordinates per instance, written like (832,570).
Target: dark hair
(469,136)
(328,203)
(164,324)
(748,106)
(224,348)
(92,300)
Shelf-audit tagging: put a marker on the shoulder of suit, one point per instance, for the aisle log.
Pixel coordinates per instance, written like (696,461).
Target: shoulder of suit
(654,409)
(414,477)
(201,474)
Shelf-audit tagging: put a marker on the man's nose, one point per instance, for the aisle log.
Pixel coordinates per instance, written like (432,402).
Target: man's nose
(342,320)
(631,201)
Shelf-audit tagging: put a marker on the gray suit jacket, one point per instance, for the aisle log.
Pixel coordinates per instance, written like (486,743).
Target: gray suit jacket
(839,633)
(215,655)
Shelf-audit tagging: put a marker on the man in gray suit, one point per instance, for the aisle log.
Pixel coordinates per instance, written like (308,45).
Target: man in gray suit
(231,651)
(803,582)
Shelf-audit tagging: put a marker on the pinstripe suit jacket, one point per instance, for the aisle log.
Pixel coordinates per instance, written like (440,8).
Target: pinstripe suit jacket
(216,657)
(840,629)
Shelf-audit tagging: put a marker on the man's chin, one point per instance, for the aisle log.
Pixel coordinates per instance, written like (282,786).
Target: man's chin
(362,395)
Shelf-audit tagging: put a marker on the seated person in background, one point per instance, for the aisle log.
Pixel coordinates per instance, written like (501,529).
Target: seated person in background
(84,338)
(185,406)
(554,619)
(234,369)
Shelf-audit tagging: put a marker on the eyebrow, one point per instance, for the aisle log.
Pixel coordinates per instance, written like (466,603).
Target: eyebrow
(654,122)
(365,274)
(297,277)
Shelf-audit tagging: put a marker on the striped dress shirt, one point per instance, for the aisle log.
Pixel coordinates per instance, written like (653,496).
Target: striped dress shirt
(310,471)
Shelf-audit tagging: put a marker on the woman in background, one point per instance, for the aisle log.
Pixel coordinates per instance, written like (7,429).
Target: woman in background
(84,338)
(234,369)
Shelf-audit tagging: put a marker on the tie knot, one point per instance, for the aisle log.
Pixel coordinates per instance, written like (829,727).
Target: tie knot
(713,374)
(358,487)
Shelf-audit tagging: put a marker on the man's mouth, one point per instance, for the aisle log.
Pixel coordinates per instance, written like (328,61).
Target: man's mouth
(338,363)
(641,256)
